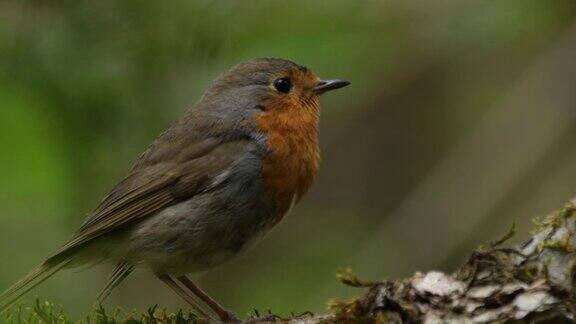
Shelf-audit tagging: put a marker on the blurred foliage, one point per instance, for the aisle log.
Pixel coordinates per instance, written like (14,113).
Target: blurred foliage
(85,85)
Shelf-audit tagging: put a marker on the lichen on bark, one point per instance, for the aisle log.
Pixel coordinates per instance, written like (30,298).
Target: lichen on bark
(531,282)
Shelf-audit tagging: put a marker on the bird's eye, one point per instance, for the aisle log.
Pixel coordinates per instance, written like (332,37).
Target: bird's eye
(283,85)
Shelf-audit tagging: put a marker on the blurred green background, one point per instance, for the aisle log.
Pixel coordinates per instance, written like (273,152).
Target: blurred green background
(461,119)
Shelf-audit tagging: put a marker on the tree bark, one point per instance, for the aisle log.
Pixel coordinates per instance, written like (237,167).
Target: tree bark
(532,282)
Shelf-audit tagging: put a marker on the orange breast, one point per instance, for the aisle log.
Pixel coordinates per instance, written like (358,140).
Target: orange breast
(292,138)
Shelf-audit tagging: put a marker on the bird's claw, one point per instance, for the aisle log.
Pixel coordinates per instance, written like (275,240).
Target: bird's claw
(229,317)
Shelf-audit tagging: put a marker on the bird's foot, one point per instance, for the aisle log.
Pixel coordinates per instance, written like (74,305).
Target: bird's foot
(228,317)
(257,318)
(269,318)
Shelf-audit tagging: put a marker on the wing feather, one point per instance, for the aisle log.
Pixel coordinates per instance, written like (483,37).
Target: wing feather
(152,188)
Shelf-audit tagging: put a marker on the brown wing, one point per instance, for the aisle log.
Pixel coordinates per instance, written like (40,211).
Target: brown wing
(153,187)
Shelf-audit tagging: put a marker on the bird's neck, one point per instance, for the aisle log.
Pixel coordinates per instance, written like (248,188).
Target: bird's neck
(293,155)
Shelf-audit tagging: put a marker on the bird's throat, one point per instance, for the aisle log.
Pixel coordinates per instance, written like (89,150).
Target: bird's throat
(293,160)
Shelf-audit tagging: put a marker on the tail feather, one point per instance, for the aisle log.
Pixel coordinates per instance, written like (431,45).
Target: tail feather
(31,280)
(121,271)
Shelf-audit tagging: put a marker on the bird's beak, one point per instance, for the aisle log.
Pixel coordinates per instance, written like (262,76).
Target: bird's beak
(328,85)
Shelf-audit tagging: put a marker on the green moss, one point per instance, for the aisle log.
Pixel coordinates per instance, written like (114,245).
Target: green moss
(529,273)
(349,311)
(347,277)
(568,210)
(45,312)
(542,223)
(560,245)
(554,219)
(356,310)
(511,232)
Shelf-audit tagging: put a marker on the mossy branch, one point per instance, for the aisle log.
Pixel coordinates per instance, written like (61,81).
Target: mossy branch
(533,282)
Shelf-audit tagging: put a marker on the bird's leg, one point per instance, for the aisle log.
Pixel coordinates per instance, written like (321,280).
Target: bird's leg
(225,316)
(169,281)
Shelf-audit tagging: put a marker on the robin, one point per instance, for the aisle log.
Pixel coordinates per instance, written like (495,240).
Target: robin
(207,188)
